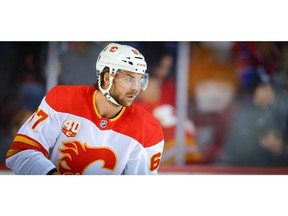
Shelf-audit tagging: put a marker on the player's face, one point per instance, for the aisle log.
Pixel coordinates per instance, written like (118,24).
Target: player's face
(126,86)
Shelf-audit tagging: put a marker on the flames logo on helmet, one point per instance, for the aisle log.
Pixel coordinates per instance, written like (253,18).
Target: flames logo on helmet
(113,49)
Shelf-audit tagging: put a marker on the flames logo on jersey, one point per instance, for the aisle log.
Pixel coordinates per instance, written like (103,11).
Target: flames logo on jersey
(77,157)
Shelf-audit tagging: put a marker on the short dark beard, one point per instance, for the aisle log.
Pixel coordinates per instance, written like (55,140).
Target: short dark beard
(121,102)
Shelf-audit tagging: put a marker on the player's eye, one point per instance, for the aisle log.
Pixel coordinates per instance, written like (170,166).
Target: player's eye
(129,79)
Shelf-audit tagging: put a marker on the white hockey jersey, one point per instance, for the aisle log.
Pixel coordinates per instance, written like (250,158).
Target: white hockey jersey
(67,132)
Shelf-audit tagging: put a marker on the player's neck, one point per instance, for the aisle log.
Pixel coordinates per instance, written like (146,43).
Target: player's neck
(105,108)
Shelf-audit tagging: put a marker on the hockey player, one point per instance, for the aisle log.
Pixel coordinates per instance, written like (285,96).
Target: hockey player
(79,130)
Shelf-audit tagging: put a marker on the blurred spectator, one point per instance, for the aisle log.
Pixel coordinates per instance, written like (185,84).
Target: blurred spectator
(257,136)
(32,87)
(31,91)
(160,63)
(212,86)
(77,64)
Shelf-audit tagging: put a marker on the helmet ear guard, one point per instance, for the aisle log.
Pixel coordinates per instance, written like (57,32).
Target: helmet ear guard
(119,57)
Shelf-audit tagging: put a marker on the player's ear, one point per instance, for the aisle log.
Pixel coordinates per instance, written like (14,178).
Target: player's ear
(106,78)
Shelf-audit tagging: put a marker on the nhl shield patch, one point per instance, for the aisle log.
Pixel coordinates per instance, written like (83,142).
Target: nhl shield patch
(103,123)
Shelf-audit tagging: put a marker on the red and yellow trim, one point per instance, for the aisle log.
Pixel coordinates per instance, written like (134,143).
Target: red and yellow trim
(98,114)
(23,142)
(94,104)
(119,115)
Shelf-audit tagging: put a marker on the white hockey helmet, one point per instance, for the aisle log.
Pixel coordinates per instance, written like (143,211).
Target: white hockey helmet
(119,57)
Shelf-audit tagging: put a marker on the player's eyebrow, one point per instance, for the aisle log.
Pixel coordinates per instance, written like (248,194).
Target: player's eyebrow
(129,75)
(132,75)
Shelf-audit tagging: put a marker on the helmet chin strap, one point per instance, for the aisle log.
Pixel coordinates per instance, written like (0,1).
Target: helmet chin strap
(106,92)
